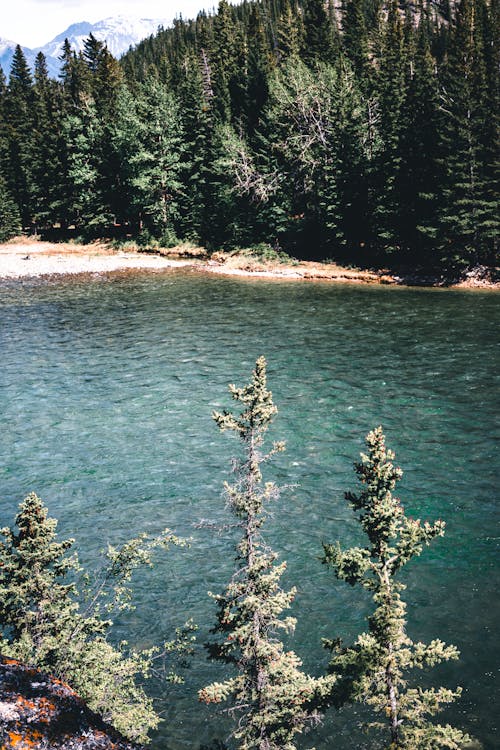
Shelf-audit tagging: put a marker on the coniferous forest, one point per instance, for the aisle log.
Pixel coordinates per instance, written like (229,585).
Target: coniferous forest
(365,133)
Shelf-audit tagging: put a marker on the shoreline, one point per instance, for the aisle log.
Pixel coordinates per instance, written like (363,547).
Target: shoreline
(23,258)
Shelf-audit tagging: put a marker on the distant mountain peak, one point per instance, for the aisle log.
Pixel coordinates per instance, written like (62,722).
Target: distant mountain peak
(119,32)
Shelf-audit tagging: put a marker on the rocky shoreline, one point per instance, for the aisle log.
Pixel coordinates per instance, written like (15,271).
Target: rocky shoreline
(23,259)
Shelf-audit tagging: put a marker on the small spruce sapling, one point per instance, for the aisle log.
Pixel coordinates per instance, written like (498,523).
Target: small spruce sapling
(272,699)
(374,670)
(57,618)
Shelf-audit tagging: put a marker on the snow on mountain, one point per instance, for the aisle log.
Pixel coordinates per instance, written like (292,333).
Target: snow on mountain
(6,45)
(7,49)
(119,33)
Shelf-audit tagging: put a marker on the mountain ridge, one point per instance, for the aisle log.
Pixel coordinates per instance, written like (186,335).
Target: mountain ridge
(119,32)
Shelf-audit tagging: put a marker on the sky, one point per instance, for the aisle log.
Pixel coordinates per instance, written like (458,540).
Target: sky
(33,23)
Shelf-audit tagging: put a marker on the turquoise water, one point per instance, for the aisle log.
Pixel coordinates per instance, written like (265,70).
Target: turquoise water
(106,393)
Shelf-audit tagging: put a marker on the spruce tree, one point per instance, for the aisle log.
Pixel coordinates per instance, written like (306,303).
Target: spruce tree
(317,42)
(391,92)
(196,95)
(315,128)
(289,33)
(223,55)
(50,619)
(90,198)
(10,218)
(18,113)
(421,174)
(469,219)
(375,669)
(73,73)
(272,699)
(257,68)
(148,141)
(355,38)
(48,147)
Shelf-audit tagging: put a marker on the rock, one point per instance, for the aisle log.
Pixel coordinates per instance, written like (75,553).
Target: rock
(39,712)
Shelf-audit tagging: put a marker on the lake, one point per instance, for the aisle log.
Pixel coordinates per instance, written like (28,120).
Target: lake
(106,391)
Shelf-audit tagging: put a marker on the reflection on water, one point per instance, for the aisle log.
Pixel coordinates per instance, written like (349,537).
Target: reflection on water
(106,392)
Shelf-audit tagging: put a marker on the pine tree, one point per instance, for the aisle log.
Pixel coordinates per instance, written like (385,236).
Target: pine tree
(355,38)
(420,177)
(272,698)
(196,96)
(47,623)
(147,138)
(223,57)
(469,220)
(315,129)
(317,43)
(73,73)
(391,93)
(88,200)
(10,219)
(289,33)
(375,670)
(48,147)
(18,114)
(258,67)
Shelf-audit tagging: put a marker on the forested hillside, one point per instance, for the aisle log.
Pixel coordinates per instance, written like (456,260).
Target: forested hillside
(365,133)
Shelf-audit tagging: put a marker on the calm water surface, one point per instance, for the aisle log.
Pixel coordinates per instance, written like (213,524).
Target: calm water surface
(106,393)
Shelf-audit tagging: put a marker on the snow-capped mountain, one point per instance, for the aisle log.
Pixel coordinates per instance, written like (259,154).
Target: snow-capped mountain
(119,33)
(7,48)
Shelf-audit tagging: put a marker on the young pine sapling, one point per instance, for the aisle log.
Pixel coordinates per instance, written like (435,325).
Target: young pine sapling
(374,670)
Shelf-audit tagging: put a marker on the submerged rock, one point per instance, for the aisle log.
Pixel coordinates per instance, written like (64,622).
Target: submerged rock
(38,711)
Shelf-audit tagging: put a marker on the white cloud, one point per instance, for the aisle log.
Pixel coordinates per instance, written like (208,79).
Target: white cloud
(33,23)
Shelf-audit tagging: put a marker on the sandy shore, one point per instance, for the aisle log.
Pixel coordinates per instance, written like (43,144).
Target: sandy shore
(28,259)
(43,259)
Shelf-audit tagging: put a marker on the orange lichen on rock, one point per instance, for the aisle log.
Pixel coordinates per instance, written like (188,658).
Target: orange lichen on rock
(38,711)
(15,739)
(28,739)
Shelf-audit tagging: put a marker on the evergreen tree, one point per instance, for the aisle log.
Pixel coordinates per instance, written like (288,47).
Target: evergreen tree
(374,670)
(391,93)
(89,197)
(258,67)
(4,144)
(148,138)
(317,43)
(272,698)
(315,127)
(355,37)
(43,625)
(18,114)
(289,33)
(48,147)
(419,178)
(196,96)
(223,56)
(469,221)
(73,73)
(10,219)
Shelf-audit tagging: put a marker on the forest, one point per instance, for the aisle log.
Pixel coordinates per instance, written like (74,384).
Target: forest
(366,133)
